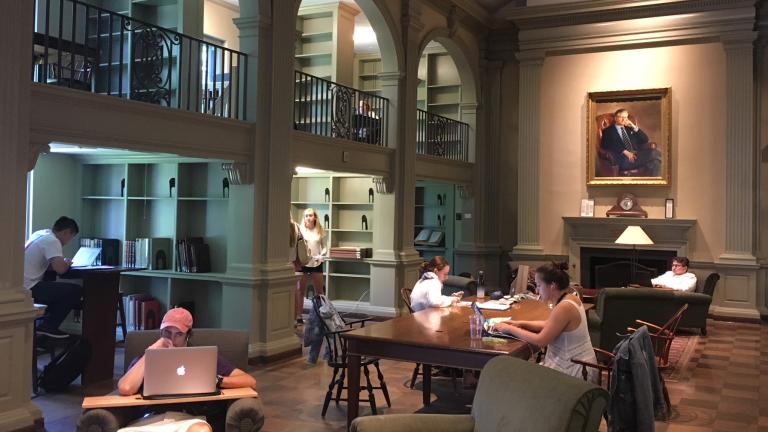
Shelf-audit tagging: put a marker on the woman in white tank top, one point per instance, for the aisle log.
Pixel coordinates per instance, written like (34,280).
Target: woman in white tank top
(565,332)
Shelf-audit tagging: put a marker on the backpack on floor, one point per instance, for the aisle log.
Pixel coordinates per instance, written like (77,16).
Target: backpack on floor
(66,366)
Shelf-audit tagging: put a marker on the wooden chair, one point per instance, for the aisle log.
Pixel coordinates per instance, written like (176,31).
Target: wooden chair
(604,366)
(662,336)
(337,359)
(405,294)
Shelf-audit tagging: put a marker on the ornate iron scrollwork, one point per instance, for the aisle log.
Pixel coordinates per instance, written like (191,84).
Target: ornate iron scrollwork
(152,51)
(437,135)
(341,111)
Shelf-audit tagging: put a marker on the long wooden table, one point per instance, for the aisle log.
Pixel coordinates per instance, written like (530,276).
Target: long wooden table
(435,336)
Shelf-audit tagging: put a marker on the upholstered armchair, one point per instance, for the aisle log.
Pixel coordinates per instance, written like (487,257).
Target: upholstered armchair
(605,166)
(510,396)
(243,415)
(459,283)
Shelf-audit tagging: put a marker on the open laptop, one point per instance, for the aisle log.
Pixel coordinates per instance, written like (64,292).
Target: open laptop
(85,257)
(180,372)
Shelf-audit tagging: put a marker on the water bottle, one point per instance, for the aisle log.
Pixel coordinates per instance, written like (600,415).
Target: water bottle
(480,284)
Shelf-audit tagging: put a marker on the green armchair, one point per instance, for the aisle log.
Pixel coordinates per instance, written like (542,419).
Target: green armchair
(618,308)
(510,396)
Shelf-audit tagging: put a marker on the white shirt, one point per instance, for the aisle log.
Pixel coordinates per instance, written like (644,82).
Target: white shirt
(683,282)
(428,292)
(38,251)
(316,244)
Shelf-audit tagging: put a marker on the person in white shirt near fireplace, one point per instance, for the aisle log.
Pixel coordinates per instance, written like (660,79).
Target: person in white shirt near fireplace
(678,278)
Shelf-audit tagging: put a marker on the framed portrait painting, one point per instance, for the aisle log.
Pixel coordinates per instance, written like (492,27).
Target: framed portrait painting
(628,137)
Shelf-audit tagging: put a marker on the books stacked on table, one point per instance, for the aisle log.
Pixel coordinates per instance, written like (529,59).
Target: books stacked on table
(351,252)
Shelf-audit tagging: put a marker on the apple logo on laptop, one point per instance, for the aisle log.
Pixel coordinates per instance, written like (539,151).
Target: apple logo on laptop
(181,371)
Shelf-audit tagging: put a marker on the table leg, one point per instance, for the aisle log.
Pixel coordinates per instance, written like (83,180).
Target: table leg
(426,385)
(100,290)
(353,387)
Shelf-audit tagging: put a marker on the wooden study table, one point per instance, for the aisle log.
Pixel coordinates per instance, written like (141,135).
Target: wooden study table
(434,336)
(118,401)
(101,291)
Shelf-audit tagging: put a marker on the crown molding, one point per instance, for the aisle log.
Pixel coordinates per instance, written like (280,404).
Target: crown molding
(595,11)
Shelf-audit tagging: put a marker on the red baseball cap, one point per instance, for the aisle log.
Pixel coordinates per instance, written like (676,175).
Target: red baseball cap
(179,318)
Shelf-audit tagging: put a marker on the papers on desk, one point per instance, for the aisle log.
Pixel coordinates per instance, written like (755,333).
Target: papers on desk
(494,305)
(85,256)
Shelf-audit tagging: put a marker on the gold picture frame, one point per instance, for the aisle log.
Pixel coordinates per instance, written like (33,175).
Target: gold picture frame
(646,160)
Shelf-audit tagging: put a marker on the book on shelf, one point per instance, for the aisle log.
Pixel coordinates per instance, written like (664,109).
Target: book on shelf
(142,312)
(193,255)
(351,252)
(422,237)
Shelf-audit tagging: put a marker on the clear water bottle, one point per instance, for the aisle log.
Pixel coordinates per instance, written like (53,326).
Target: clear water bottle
(480,284)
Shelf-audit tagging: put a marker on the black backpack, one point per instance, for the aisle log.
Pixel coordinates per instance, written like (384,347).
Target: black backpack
(65,366)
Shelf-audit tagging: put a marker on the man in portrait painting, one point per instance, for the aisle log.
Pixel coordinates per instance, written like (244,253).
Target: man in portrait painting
(630,148)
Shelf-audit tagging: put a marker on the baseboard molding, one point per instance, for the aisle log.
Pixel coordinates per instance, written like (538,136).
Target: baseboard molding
(274,348)
(720,313)
(267,359)
(23,420)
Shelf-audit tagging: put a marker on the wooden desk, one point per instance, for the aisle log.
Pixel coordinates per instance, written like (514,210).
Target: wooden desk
(117,401)
(437,336)
(101,291)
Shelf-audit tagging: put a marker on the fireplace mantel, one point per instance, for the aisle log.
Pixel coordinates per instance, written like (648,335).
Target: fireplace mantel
(667,234)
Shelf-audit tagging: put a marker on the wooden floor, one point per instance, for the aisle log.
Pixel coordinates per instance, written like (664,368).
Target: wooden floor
(723,387)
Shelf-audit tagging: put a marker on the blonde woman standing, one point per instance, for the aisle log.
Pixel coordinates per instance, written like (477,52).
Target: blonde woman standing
(312,231)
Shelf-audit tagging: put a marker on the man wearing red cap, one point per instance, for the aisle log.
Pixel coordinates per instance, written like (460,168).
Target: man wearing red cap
(175,331)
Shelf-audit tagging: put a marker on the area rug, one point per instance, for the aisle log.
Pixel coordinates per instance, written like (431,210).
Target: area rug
(683,347)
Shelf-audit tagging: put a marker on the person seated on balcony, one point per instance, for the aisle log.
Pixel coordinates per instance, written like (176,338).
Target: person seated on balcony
(565,332)
(44,250)
(428,291)
(366,122)
(629,147)
(175,331)
(678,278)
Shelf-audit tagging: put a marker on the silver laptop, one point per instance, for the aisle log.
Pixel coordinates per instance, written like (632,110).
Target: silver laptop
(180,372)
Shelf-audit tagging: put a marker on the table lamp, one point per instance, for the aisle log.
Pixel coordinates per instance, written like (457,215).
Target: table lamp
(634,235)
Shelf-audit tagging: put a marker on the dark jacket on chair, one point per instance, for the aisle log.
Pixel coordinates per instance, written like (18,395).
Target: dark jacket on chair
(637,397)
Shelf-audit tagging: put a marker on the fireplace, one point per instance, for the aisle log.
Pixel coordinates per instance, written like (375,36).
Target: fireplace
(591,246)
(596,271)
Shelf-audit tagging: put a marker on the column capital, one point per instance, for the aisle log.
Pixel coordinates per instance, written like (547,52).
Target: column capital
(251,25)
(468,107)
(391,78)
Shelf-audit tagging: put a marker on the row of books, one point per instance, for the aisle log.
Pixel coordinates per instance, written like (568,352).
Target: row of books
(351,252)
(142,312)
(151,253)
(193,255)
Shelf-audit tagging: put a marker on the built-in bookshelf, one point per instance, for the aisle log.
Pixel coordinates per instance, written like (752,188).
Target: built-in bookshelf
(345,206)
(439,90)
(170,200)
(434,220)
(367,70)
(324,44)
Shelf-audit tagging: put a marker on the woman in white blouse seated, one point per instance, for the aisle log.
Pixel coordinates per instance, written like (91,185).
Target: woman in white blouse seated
(428,291)
(678,278)
(565,332)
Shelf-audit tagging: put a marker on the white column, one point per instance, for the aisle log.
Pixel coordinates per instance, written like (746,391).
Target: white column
(740,152)
(528,161)
(17,412)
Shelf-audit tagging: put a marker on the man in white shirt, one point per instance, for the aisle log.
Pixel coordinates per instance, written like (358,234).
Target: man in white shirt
(44,250)
(678,278)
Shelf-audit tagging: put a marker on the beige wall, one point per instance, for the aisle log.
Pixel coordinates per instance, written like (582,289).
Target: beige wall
(696,75)
(217,22)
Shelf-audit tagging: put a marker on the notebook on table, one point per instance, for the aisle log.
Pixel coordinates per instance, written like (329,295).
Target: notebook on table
(180,372)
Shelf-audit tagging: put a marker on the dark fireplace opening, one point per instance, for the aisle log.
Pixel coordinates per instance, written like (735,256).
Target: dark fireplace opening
(606,267)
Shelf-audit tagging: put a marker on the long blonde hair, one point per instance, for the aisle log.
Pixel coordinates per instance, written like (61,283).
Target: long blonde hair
(318,225)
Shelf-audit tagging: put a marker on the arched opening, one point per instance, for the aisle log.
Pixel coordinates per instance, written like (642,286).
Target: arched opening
(445,101)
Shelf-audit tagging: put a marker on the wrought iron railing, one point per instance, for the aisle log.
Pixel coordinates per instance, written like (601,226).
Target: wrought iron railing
(323,107)
(86,47)
(441,136)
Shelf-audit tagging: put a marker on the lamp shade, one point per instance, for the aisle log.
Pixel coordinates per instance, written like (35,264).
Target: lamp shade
(634,235)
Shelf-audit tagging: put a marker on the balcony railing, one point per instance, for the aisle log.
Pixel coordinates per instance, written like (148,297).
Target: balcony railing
(323,107)
(86,47)
(441,136)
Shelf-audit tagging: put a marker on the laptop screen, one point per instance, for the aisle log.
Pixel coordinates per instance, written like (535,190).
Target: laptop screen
(178,372)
